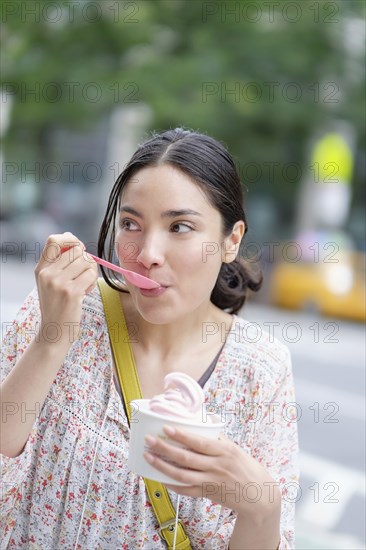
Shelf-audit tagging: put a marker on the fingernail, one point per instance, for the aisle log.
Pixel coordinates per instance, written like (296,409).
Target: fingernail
(150,440)
(149,457)
(169,430)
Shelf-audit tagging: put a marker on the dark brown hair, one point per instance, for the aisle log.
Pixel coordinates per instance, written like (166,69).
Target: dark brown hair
(212,168)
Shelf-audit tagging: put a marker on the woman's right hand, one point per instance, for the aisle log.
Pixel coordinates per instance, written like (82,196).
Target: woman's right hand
(64,274)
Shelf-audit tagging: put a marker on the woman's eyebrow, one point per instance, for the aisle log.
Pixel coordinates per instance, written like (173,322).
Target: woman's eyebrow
(166,214)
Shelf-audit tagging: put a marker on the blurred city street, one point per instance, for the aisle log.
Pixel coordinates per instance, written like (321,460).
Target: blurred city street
(329,367)
(281,85)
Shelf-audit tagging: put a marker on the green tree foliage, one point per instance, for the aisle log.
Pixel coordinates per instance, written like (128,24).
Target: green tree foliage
(261,76)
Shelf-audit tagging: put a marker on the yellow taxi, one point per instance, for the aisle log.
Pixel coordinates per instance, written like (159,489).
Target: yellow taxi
(334,288)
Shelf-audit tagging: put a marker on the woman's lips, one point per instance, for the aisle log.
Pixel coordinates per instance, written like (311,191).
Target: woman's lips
(154,292)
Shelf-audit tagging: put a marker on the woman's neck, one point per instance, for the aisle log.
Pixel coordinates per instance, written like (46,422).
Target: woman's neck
(202,330)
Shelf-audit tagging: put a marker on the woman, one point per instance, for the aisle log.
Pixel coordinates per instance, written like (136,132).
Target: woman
(175,215)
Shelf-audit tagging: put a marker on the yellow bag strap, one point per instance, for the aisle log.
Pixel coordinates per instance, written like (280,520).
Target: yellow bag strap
(130,387)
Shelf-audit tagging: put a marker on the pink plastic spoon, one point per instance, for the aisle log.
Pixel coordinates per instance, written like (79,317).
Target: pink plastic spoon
(134,278)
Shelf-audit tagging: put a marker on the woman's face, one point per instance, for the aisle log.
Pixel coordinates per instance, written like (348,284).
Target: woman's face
(168,231)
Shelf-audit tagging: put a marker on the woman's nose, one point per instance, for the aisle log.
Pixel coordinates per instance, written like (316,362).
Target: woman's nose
(150,253)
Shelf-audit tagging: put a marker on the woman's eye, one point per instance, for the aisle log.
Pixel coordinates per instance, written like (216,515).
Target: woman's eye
(186,228)
(128,225)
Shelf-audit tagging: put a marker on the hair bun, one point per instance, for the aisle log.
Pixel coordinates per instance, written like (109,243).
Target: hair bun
(233,282)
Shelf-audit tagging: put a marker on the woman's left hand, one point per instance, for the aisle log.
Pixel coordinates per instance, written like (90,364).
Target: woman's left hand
(217,469)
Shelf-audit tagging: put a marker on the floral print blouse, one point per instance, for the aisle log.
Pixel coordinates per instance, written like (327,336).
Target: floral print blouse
(70,487)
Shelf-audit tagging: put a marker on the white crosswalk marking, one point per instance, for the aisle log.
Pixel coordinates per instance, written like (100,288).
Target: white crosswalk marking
(350,404)
(334,485)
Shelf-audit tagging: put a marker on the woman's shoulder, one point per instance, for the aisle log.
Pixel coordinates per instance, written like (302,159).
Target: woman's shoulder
(249,340)
(254,362)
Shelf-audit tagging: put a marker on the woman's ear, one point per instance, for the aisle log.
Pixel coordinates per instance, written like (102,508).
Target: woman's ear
(232,242)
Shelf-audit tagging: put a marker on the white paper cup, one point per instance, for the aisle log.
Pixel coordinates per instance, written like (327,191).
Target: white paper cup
(145,422)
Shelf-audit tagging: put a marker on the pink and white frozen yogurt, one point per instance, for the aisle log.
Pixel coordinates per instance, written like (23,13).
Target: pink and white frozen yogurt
(181,405)
(183,398)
